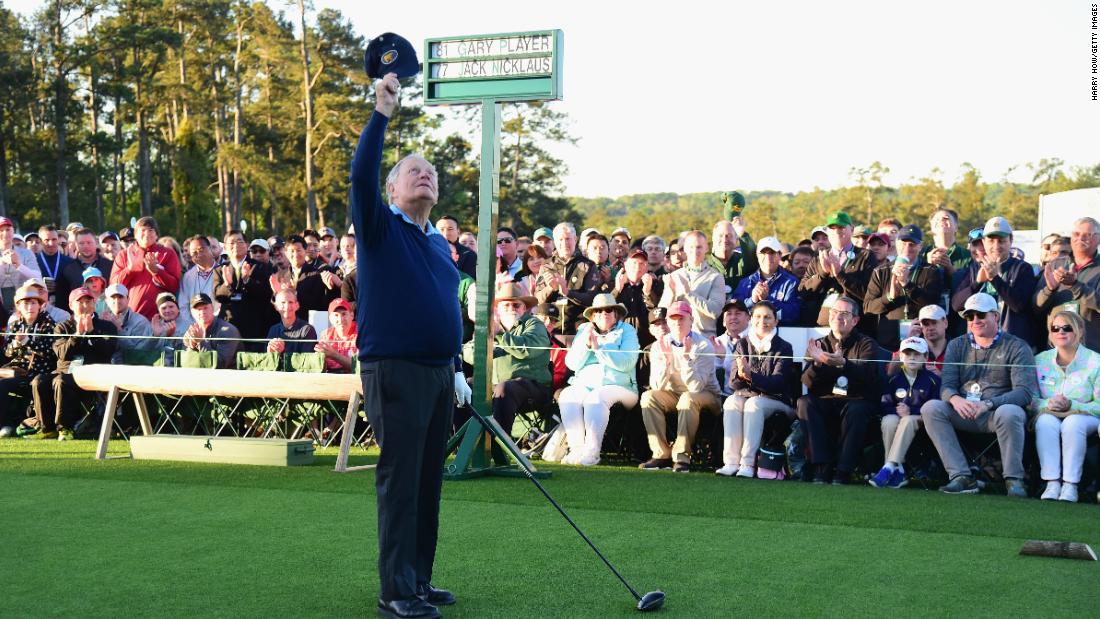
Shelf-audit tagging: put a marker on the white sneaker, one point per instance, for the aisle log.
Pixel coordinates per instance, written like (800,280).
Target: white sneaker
(7,431)
(729,470)
(747,471)
(1053,491)
(1069,493)
(589,460)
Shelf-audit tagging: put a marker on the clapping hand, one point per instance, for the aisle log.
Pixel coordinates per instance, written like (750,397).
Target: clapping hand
(84,324)
(743,368)
(1050,278)
(151,264)
(227,274)
(987,271)
(1066,277)
(246,270)
(760,291)
(276,345)
(647,283)
(902,409)
(193,337)
(620,281)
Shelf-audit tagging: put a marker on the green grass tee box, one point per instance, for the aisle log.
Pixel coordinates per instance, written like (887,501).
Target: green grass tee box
(168,539)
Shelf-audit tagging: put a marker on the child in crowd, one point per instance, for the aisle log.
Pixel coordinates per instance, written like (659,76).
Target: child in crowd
(906,392)
(94,281)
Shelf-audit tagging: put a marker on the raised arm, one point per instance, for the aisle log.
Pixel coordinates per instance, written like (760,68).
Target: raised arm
(368,209)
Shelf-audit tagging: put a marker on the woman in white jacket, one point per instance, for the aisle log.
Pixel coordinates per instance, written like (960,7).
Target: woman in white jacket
(603,357)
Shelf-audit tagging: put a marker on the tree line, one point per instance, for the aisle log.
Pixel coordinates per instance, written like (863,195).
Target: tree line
(791,216)
(205,113)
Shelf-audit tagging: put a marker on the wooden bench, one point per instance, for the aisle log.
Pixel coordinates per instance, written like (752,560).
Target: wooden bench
(141,380)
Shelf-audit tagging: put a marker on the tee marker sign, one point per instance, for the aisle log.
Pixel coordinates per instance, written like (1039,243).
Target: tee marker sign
(512,66)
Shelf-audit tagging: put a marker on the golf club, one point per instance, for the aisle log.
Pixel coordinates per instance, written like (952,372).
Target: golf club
(650,601)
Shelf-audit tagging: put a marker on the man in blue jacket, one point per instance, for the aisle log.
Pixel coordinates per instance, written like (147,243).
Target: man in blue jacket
(772,283)
(410,336)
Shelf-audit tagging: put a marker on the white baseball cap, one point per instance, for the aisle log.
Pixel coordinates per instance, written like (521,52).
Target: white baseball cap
(114,289)
(997,226)
(769,242)
(932,312)
(980,302)
(914,343)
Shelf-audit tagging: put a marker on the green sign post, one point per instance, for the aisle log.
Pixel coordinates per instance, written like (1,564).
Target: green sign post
(489,69)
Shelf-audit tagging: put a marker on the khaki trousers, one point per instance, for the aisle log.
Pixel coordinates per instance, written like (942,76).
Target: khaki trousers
(687,406)
(897,435)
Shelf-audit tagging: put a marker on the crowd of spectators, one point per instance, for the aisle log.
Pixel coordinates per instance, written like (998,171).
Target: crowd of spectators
(920,332)
(921,329)
(71,297)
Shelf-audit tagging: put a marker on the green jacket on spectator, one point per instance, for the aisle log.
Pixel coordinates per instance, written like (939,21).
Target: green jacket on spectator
(520,352)
(740,264)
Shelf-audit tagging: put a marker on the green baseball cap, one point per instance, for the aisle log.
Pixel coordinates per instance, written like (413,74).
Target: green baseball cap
(733,198)
(839,218)
(541,232)
(863,231)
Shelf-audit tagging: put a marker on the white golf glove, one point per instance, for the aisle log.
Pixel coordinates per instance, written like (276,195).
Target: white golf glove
(463,393)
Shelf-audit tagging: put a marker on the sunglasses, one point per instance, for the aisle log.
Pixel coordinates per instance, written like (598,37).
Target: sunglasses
(504,241)
(976,234)
(258,250)
(972,316)
(927,322)
(1061,329)
(603,310)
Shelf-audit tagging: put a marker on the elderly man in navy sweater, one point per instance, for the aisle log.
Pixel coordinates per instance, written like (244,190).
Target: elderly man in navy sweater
(410,335)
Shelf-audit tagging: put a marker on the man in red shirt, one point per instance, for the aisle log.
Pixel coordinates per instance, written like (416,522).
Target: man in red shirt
(146,269)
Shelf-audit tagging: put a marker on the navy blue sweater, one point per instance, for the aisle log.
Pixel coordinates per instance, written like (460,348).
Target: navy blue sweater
(408,285)
(926,387)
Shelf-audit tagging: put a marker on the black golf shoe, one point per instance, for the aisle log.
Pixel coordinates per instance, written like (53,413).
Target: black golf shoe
(434,596)
(415,608)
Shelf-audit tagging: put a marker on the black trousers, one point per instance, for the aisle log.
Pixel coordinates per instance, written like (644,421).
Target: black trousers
(409,405)
(57,400)
(833,424)
(514,395)
(10,413)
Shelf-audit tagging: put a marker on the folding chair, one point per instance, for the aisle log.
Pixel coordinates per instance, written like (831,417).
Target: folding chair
(202,409)
(153,358)
(535,427)
(258,412)
(302,414)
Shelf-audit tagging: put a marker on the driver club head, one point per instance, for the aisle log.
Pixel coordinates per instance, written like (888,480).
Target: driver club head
(653,600)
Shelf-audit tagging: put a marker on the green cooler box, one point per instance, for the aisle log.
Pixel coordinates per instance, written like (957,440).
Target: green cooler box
(223,449)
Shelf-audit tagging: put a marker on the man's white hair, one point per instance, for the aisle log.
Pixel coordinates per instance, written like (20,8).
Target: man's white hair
(565,225)
(391,178)
(1095,225)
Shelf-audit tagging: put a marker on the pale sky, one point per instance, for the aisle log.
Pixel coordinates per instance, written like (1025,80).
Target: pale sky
(692,96)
